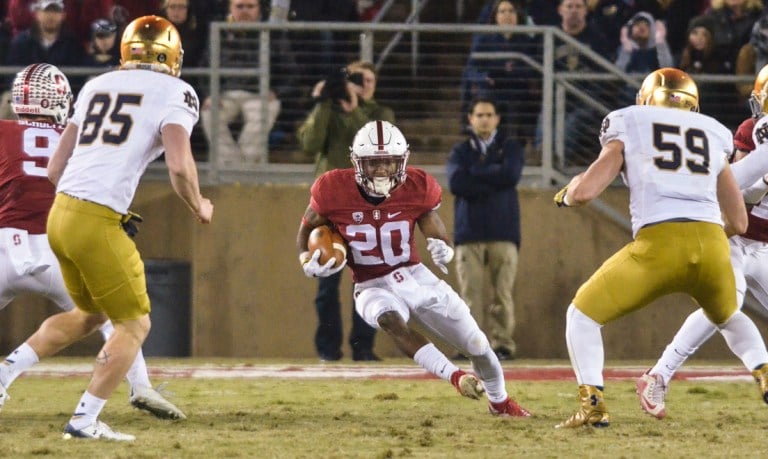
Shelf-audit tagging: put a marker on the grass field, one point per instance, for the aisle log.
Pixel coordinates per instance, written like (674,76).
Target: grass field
(324,414)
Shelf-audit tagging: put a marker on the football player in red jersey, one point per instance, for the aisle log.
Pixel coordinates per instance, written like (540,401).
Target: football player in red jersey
(749,258)
(41,100)
(376,207)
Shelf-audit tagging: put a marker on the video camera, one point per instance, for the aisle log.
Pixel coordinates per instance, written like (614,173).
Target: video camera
(335,87)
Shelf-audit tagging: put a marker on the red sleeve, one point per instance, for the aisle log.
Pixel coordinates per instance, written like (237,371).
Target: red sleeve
(743,137)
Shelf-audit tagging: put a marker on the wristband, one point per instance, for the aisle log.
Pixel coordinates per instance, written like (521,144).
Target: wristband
(304,258)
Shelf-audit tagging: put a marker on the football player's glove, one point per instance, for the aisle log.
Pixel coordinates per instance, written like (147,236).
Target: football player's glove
(129,222)
(441,252)
(313,268)
(560,197)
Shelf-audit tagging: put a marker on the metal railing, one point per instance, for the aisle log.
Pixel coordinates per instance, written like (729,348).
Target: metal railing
(426,102)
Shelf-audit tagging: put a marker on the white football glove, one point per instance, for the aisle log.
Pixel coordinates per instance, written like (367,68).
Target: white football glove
(441,252)
(313,268)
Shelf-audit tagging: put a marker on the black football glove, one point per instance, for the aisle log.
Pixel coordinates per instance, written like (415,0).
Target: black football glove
(130,222)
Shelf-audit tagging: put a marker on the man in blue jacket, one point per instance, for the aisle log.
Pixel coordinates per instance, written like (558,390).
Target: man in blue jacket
(483,172)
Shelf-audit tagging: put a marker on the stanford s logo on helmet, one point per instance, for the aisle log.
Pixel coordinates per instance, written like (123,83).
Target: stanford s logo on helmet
(41,90)
(376,142)
(151,43)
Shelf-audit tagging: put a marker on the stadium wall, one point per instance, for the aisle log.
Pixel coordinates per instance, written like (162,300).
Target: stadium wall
(250,298)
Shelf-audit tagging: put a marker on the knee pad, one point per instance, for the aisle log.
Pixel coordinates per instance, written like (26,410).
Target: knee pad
(477,343)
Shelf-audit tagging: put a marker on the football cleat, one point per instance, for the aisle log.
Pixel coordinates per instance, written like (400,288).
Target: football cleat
(96,431)
(150,400)
(4,397)
(592,412)
(651,390)
(467,384)
(761,376)
(508,408)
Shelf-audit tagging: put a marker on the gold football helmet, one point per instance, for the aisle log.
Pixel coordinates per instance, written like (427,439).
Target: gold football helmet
(151,43)
(758,101)
(669,87)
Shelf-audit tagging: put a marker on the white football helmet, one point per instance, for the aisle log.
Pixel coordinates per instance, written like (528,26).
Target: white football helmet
(375,141)
(41,90)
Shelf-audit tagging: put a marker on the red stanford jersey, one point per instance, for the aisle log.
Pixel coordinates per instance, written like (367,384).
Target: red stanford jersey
(26,194)
(380,236)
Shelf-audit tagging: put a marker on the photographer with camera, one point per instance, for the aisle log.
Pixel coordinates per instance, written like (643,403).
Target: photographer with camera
(344,104)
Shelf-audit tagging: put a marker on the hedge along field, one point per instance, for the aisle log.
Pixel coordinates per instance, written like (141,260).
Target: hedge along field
(332,417)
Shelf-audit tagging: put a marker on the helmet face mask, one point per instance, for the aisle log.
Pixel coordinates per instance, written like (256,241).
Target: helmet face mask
(151,43)
(758,101)
(669,87)
(41,90)
(379,155)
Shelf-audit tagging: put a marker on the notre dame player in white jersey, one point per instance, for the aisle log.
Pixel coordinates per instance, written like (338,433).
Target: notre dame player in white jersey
(122,121)
(674,161)
(41,99)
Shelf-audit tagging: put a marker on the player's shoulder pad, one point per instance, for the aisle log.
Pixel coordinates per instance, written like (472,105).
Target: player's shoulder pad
(613,126)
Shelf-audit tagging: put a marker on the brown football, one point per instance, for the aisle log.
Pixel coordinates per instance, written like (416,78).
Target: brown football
(330,243)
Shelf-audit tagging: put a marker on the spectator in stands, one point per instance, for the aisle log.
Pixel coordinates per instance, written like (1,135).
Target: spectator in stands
(483,172)
(699,57)
(103,50)
(579,142)
(643,49)
(677,15)
(240,96)
(732,26)
(317,52)
(541,12)
(611,16)
(126,11)
(342,108)
(80,15)
(192,40)
(753,56)
(49,41)
(512,83)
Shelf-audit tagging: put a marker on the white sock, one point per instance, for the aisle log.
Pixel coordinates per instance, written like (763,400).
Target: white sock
(744,339)
(137,375)
(431,359)
(87,411)
(20,359)
(585,347)
(696,330)
(488,369)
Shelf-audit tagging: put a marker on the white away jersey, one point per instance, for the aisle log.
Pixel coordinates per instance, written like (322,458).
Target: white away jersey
(119,116)
(671,162)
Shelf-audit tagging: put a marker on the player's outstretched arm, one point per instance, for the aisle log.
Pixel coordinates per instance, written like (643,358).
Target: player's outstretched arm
(63,152)
(731,202)
(183,171)
(589,184)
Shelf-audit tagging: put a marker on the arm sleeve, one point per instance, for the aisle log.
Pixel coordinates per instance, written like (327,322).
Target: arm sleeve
(755,193)
(613,128)
(182,108)
(755,164)
(743,137)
